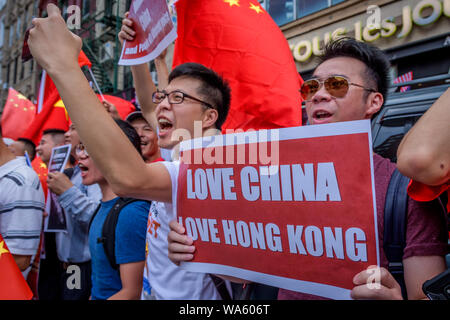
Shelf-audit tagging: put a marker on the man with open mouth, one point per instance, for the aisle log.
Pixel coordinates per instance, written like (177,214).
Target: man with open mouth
(194,93)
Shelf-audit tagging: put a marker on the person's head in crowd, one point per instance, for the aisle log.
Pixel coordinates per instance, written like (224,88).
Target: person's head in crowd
(350,83)
(71,137)
(50,138)
(21,146)
(194,93)
(90,174)
(148,135)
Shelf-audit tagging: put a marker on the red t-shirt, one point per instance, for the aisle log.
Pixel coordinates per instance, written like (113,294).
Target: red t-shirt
(426,230)
(422,192)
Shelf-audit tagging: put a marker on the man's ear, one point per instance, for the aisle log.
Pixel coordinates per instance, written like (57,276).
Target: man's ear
(210,117)
(374,103)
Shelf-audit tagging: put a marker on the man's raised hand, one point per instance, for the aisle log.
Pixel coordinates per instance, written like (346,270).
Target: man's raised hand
(51,43)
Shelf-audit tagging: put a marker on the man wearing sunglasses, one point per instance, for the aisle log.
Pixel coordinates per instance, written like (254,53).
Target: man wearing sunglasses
(350,83)
(194,93)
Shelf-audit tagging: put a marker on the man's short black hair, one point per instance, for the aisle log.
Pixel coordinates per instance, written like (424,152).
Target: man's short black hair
(29,147)
(214,89)
(376,61)
(131,134)
(56,134)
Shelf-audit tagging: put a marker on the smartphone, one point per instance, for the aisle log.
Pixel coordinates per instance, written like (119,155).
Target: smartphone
(438,288)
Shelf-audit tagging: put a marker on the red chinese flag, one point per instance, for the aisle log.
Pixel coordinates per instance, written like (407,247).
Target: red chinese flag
(45,119)
(18,114)
(12,283)
(124,107)
(41,169)
(239,40)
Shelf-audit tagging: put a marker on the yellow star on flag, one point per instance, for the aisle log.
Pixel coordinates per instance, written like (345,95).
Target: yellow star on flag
(256,8)
(2,248)
(60,104)
(42,165)
(232,2)
(21,96)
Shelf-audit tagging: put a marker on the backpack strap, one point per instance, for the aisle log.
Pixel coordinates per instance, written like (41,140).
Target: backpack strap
(109,230)
(93,215)
(221,287)
(395,220)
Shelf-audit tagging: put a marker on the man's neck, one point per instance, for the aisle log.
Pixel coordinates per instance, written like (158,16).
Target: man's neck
(5,154)
(107,193)
(154,157)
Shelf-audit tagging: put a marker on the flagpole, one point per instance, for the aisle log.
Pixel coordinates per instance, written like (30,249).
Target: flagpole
(41,91)
(96,84)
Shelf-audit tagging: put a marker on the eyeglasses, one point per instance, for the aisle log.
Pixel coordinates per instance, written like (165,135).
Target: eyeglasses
(79,148)
(175,97)
(337,86)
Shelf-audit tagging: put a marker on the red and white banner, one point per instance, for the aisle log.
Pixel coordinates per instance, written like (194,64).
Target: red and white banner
(293,208)
(154,32)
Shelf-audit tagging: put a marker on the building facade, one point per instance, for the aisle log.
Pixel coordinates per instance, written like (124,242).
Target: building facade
(414,33)
(15,18)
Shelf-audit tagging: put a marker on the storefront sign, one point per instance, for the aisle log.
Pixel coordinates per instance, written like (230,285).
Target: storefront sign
(304,49)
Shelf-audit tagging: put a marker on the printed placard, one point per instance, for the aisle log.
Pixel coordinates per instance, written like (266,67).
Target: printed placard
(56,219)
(292,208)
(154,29)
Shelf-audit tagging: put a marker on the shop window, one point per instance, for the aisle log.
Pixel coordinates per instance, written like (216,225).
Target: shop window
(282,11)
(306,7)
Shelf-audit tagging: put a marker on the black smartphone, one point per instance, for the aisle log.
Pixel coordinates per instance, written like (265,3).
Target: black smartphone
(438,288)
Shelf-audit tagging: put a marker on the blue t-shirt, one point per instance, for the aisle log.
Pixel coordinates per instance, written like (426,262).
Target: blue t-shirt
(130,245)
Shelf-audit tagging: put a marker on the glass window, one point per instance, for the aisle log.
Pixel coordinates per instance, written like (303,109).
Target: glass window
(11,35)
(262,3)
(306,7)
(2,32)
(2,3)
(25,21)
(282,11)
(18,30)
(333,2)
(86,7)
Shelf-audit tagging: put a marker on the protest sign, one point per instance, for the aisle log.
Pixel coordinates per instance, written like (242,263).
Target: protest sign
(56,219)
(154,29)
(300,217)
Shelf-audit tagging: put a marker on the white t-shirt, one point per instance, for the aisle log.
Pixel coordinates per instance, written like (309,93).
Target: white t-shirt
(168,281)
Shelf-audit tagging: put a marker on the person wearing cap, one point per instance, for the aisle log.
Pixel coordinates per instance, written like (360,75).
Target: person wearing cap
(148,135)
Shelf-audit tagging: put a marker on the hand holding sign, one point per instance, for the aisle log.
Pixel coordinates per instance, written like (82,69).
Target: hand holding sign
(181,246)
(126,31)
(146,31)
(376,283)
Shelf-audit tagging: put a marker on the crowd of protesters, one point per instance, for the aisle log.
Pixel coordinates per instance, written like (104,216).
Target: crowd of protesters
(350,83)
